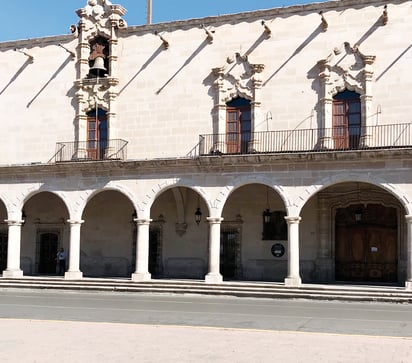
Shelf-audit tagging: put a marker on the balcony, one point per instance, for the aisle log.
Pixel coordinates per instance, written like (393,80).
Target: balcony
(90,151)
(306,140)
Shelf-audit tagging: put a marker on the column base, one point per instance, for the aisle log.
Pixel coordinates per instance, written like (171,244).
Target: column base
(141,276)
(213,278)
(73,275)
(13,273)
(293,281)
(408,285)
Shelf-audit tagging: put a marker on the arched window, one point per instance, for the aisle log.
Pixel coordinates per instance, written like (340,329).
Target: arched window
(346,120)
(99,58)
(238,125)
(96,134)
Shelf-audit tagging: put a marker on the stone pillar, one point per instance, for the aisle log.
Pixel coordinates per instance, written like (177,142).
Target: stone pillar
(255,144)
(214,276)
(142,251)
(293,278)
(408,282)
(74,273)
(366,139)
(324,260)
(13,249)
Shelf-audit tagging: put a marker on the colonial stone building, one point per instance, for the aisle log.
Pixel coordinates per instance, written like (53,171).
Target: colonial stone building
(272,145)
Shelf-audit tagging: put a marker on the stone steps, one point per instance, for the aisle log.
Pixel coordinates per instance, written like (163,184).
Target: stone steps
(392,294)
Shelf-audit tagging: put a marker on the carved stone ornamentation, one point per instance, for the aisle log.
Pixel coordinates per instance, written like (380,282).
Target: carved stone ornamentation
(346,68)
(97,75)
(238,77)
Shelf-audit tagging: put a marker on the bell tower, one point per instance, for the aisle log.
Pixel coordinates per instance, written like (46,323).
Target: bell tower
(97,71)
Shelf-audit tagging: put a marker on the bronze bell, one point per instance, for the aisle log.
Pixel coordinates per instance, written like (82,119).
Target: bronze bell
(98,68)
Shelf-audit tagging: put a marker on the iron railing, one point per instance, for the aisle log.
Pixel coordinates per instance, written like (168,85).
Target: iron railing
(307,140)
(90,150)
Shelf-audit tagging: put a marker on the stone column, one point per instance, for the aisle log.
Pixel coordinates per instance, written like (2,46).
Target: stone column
(142,251)
(293,278)
(324,260)
(214,276)
(13,249)
(74,272)
(408,282)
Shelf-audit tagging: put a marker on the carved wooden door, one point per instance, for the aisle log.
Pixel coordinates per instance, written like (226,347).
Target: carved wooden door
(366,253)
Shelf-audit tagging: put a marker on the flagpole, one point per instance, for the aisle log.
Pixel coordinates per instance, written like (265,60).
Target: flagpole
(149,12)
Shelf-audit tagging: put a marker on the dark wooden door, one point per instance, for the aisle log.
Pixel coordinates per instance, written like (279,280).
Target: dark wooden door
(3,251)
(96,135)
(155,258)
(228,251)
(366,251)
(346,120)
(238,126)
(47,253)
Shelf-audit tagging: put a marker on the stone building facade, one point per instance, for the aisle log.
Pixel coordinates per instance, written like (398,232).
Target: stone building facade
(272,145)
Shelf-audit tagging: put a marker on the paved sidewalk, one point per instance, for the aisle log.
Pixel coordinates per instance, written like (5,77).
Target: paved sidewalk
(24,341)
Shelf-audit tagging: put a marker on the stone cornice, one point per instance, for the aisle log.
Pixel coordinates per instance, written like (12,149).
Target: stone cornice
(344,160)
(213,20)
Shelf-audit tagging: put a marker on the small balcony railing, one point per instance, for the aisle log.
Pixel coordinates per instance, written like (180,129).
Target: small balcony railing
(306,140)
(90,150)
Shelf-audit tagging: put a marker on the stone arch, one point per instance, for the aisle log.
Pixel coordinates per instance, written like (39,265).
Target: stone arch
(224,194)
(342,178)
(8,204)
(151,195)
(30,192)
(108,232)
(85,198)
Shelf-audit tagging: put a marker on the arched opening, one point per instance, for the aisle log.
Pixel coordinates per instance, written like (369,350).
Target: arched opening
(357,235)
(99,57)
(346,120)
(178,245)
(107,236)
(43,233)
(238,126)
(253,224)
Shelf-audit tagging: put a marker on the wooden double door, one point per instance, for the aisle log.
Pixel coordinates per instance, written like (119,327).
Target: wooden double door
(366,251)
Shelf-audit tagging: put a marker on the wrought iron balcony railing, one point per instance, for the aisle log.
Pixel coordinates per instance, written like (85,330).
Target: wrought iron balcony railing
(306,140)
(90,150)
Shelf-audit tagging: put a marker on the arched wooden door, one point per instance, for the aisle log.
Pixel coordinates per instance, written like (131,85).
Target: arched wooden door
(366,246)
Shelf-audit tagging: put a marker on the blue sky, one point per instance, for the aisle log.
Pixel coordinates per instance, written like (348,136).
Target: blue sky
(22,19)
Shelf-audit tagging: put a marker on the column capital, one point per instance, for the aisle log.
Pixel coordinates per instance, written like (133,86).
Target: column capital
(142,221)
(14,222)
(408,218)
(214,220)
(75,221)
(293,219)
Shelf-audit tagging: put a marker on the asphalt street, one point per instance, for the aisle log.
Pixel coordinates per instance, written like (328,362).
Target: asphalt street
(374,319)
